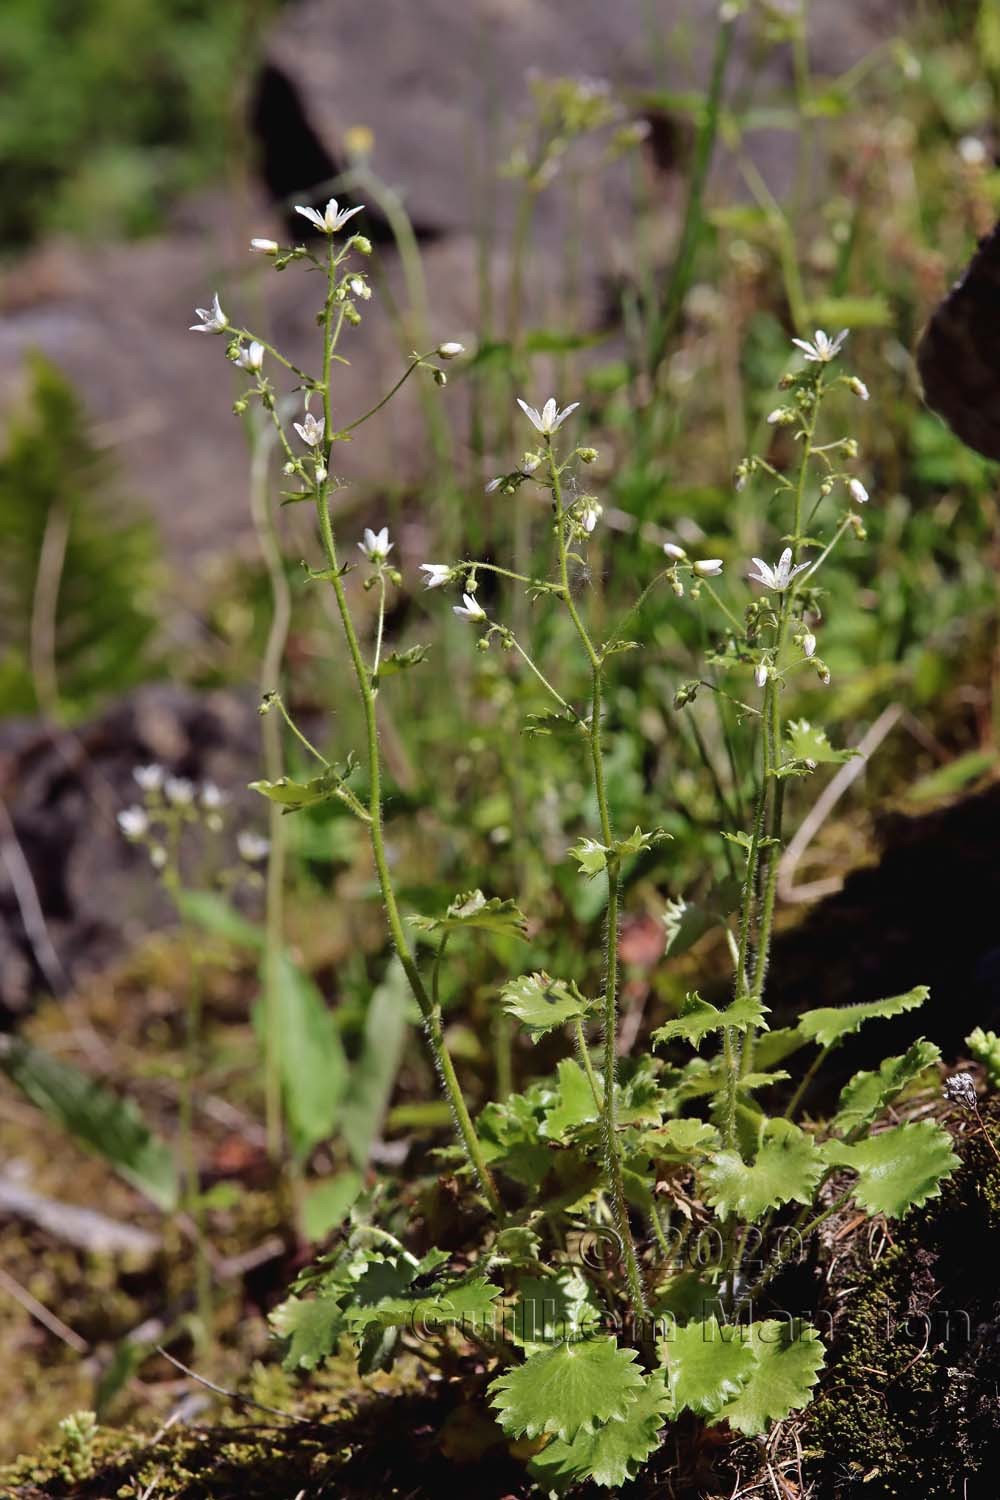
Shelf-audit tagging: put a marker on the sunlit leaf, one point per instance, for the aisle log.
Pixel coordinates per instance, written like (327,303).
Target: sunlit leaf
(591,856)
(568,1389)
(897,1169)
(473,910)
(787,1168)
(789,1356)
(698,1018)
(541,1003)
(311,1326)
(708,1364)
(830,1024)
(614,1452)
(310,1055)
(867,1094)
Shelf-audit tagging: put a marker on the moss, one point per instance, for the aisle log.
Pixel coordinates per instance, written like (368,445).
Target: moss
(905,1408)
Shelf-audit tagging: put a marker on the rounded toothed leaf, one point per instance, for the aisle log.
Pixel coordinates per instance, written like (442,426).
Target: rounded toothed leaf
(786,1169)
(613,1452)
(867,1094)
(897,1169)
(830,1024)
(707,1365)
(789,1355)
(541,1003)
(568,1389)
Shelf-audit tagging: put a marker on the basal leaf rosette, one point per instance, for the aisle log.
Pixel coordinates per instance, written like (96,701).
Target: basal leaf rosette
(787,1169)
(568,1389)
(898,1169)
(788,1355)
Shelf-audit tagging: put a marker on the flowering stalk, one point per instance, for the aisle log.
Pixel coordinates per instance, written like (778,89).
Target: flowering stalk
(429,1011)
(608,1112)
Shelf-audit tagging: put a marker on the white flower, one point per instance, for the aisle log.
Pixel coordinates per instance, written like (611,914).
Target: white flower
(449,350)
(212,796)
(213,319)
(858,492)
(858,387)
(251,359)
(779,577)
(972,151)
(179,791)
(437,574)
(265,247)
(310,429)
(529,462)
(495,484)
(550,418)
(708,567)
(782,416)
(809,644)
(675,553)
(823,348)
(360,288)
(133,822)
(331,219)
(590,513)
(469,609)
(252,847)
(376,545)
(761,673)
(150,777)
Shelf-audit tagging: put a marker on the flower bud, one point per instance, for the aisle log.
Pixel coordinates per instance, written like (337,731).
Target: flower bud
(449,350)
(858,492)
(440,378)
(809,644)
(858,387)
(708,567)
(587,455)
(782,416)
(361,243)
(761,673)
(265,247)
(675,553)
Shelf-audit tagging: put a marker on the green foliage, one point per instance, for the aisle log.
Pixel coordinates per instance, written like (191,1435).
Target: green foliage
(542,1004)
(809,747)
(472,910)
(111,108)
(786,1169)
(98,588)
(828,1025)
(708,1364)
(292,796)
(371,1078)
(867,1094)
(95,1117)
(614,1451)
(898,1169)
(568,1389)
(311,1061)
(698,1018)
(984,1046)
(788,1358)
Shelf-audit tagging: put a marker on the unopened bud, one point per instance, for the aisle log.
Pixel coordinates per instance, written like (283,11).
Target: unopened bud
(361,243)
(858,387)
(675,553)
(587,455)
(265,247)
(809,644)
(449,350)
(440,378)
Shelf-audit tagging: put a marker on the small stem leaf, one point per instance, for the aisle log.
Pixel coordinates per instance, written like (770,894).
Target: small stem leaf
(591,856)
(830,1024)
(466,1303)
(611,1454)
(293,796)
(573,1104)
(568,1389)
(867,1094)
(787,1169)
(707,1365)
(809,747)
(399,661)
(789,1356)
(472,909)
(897,1169)
(698,1018)
(541,1003)
(677,1141)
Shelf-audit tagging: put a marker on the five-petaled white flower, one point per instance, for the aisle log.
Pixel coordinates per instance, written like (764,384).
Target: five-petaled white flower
(779,577)
(179,791)
(376,545)
(469,609)
(858,492)
(708,567)
(133,822)
(252,847)
(213,319)
(437,574)
(310,429)
(331,219)
(252,358)
(822,348)
(550,418)
(150,777)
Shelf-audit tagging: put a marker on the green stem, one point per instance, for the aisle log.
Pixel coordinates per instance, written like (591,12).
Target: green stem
(612,1147)
(588,1066)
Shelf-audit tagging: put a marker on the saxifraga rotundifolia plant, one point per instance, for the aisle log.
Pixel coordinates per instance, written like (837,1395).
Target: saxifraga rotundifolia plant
(592,1355)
